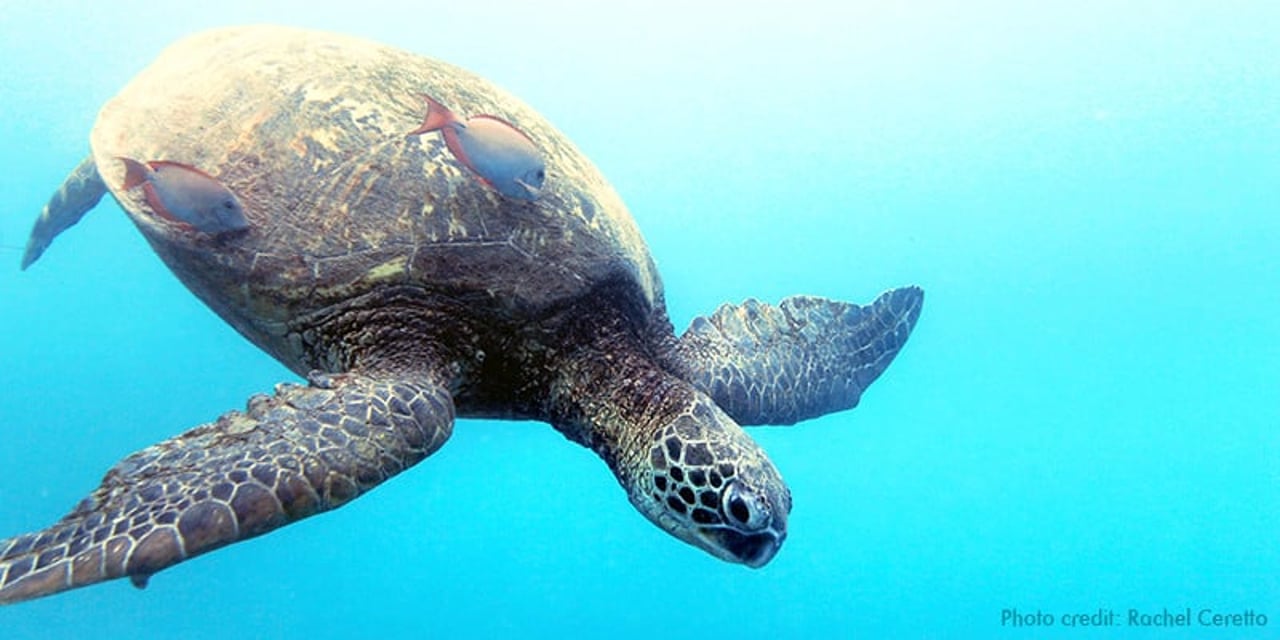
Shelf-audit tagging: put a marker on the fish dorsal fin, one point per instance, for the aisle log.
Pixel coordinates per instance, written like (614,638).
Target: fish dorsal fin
(136,173)
(506,123)
(157,164)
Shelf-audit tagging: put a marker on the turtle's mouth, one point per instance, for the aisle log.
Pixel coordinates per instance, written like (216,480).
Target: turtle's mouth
(752,549)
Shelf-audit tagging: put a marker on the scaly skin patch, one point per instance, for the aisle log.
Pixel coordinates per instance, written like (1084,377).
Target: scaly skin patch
(803,358)
(712,486)
(298,453)
(684,464)
(79,193)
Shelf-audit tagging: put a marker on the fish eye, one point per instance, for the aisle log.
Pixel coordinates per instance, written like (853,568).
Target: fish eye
(228,204)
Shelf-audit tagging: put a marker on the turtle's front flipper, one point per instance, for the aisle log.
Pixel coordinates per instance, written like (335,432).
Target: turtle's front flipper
(801,359)
(300,452)
(79,193)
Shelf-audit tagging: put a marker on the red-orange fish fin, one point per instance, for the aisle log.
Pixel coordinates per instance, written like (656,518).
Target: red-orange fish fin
(454,144)
(153,199)
(135,173)
(156,164)
(505,122)
(438,117)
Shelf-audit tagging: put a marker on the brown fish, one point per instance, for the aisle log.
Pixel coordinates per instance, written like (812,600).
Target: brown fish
(182,193)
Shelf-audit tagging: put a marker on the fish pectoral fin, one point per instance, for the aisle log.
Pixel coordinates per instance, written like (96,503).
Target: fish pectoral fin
(534,192)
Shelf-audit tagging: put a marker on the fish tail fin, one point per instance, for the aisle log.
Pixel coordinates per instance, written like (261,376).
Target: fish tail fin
(438,117)
(135,173)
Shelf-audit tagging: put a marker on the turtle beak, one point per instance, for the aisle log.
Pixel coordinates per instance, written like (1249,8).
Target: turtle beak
(754,550)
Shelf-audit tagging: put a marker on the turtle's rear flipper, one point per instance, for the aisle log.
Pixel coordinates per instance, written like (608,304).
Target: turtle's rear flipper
(78,194)
(804,358)
(300,452)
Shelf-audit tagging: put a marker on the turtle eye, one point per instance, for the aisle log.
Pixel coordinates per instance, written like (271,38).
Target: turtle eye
(741,509)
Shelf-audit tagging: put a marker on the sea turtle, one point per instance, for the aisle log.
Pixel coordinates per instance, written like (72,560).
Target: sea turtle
(407,286)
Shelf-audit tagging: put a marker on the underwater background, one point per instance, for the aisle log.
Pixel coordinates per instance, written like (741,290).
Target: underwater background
(1086,419)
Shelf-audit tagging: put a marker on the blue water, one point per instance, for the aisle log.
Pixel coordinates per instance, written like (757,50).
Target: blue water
(1084,419)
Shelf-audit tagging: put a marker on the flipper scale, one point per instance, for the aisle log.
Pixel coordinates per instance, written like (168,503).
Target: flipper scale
(303,451)
(79,193)
(803,358)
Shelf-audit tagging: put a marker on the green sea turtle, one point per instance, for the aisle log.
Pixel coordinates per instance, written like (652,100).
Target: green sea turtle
(408,283)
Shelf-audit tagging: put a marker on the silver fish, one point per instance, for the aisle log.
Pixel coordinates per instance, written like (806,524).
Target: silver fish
(501,155)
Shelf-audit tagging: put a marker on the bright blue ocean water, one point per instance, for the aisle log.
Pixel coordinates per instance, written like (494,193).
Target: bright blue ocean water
(1084,420)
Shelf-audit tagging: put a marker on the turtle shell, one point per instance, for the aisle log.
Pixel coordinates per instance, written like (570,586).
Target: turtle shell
(309,131)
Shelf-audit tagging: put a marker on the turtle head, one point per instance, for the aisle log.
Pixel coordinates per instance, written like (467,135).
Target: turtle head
(706,482)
